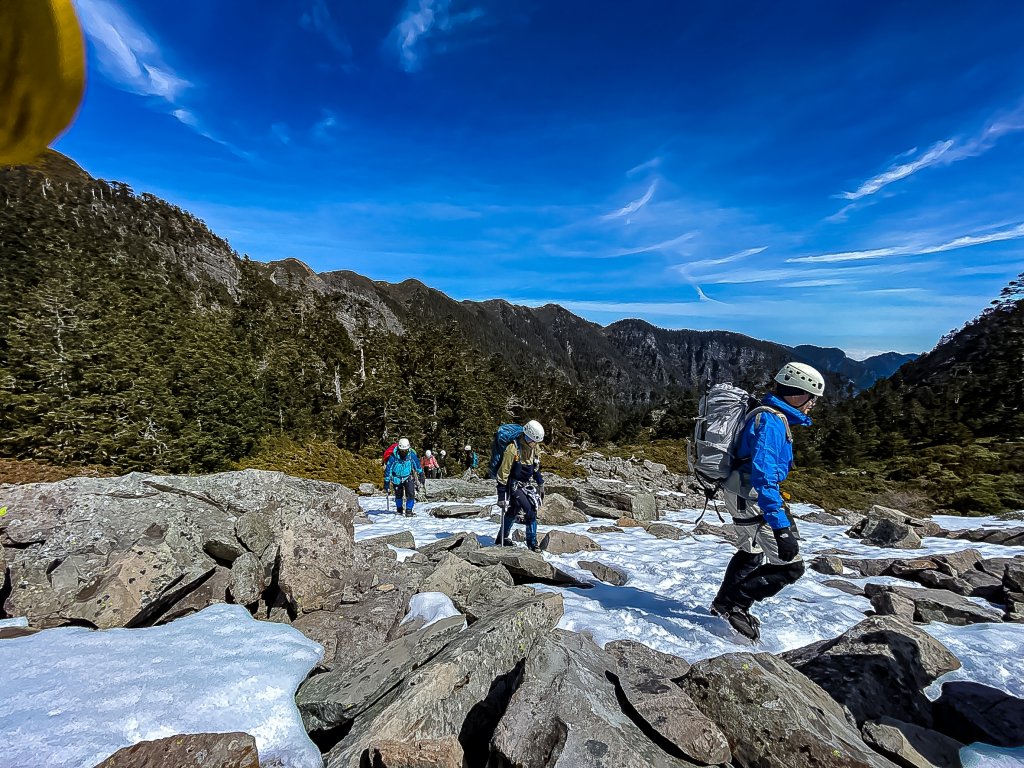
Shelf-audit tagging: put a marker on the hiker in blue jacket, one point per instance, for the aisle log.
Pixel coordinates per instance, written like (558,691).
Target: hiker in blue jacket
(768,556)
(402,471)
(521,485)
(469,462)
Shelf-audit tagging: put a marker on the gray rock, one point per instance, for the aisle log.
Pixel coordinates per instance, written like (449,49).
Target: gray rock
(609,574)
(189,750)
(455,489)
(909,569)
(461,690)
(474,591)
(830,565)
(525,566)
(558,510)
(940,580)
(1013,576)
(367,489)
(845,586)
(448,511)
(605,529)
(970,712)
(822,518)
(911,745)
(416,753)
(938,605)
(247,579)
(878,566)
(996,566)
(883,532)
(704,528)
(566,713)
(458,543)
(402,540)
(774,717)
(889,603)
(879,668)
(336,698)
(664,531)
(1008,537)
(214,589)
(637,662)
(564,542)
(983,585)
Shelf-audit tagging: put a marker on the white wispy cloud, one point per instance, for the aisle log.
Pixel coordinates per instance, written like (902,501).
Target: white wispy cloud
(647,165)
(943,152)
(323,127)
(966,241)
(280,132)
(126,54)
(132,60)
(665,245)
(318,19)
(422,20)
(636,205)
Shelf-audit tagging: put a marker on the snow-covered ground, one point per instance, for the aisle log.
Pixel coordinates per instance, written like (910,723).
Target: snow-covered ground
(73,696)
(671,583)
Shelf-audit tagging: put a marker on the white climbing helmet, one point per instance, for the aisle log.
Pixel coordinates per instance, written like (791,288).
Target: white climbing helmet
(533,431)
(444,453)
(803,377)
(467,448)
(428,453)
(403,444)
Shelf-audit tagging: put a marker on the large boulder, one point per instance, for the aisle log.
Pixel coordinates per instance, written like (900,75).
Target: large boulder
(189,750)
(970,712)
(122,551)
(461,692)
(566,713)
(936,605)
(458,543)
(883,532)
(774,717)
(1008,537)
(558,510)
(665,531)
(565,542)
(469,489)
(473,590)
(336,698)
(879,668)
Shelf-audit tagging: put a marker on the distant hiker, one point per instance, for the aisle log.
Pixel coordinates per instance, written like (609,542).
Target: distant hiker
(764,528)
(430,467)
(402,471)
(520,483)
(444,459)
(469,462)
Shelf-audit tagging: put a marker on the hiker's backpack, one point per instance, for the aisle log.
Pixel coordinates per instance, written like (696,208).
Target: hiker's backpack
(506,434)
(723,412)
(387,454)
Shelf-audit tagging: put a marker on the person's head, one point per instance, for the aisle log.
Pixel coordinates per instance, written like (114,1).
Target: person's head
(443,453)
(533,432)
(428,453)
(468,449)
(403,447)
(800,385)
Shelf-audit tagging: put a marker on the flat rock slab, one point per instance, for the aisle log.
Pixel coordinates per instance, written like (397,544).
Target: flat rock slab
(774,717)
(909,744)
(938,605)
(446,511)
(459,543)
(525,566)
(425,753)
(402,539)
(970,712)
(664,531)
(637,662)
(198,750)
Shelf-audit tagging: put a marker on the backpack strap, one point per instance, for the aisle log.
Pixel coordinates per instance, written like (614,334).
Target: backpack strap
(756,416)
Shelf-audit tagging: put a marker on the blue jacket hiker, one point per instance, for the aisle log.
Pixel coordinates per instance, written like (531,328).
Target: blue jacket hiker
(521,485)
(402,471)
(768,556)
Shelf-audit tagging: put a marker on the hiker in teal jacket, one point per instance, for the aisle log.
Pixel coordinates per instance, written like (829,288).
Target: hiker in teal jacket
(402,471)
(768,556)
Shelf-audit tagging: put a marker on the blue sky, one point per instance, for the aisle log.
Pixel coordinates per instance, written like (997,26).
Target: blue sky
(840,174)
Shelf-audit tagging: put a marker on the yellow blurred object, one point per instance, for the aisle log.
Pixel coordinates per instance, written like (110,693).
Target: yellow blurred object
(786,496)
(42,75)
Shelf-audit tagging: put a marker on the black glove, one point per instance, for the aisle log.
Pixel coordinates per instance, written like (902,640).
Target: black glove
(787,543)
(387,487)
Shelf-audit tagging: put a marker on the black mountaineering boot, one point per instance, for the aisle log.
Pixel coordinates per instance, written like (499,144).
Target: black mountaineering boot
(747,625)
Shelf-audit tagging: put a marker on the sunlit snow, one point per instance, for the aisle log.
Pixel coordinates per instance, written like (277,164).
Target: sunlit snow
(671,583)
(73,696)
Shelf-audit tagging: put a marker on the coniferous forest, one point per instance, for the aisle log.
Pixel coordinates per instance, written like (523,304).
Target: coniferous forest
(118,349)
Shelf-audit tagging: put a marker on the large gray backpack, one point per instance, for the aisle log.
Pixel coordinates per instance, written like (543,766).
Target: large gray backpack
(721,416)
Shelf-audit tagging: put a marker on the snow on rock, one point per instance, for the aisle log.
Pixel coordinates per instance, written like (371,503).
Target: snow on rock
(430,607)
(19,621)
(74,696)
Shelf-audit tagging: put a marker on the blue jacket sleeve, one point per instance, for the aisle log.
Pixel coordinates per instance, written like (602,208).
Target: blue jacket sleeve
(387,468)
(769,467)
(474,459)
